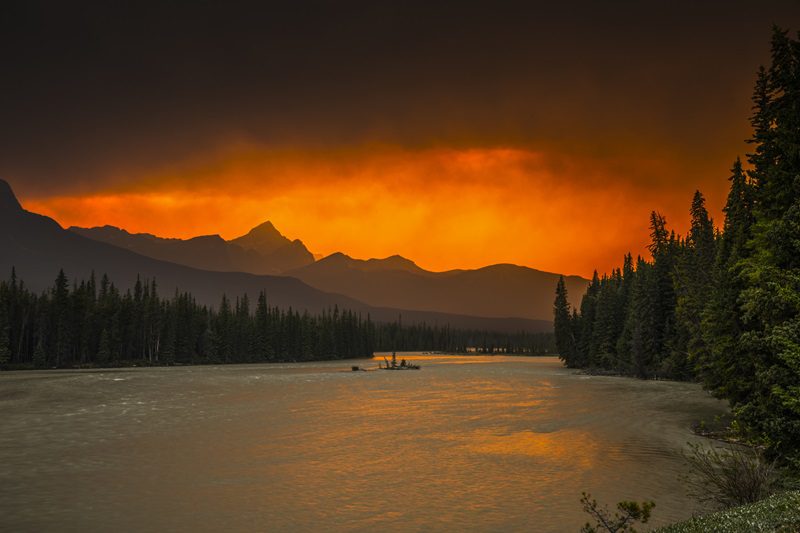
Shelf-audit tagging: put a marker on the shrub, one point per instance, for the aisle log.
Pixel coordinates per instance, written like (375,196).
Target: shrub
(627,514)
(729,476)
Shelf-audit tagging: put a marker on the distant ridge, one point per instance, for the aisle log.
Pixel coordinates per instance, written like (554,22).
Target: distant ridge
(394,262)
(494,291)
(262,251)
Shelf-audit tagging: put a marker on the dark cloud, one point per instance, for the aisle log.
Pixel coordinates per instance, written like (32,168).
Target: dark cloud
(97,92)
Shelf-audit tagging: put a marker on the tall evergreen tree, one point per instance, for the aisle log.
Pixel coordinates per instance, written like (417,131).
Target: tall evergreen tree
(771,274)
(60,318)
(693,277)
(5,328)
(584,354)
(723,364)
(562,324)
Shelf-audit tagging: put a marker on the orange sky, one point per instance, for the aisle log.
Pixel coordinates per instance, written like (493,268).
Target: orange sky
(458,134)
(444,208)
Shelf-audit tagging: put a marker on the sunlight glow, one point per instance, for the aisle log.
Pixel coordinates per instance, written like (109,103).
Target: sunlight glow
(444,208)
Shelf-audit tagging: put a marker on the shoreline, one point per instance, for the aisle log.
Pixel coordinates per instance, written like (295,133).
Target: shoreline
(138,364)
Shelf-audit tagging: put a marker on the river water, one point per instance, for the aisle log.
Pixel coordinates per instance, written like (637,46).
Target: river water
(464,444)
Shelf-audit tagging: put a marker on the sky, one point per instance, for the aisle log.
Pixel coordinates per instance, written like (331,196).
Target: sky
(458,134)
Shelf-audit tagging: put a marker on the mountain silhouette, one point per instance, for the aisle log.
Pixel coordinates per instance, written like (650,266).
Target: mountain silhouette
(8,201)
(37,247)
(264,238)
(338,260)
(262,251)
(500,291)
(494,291)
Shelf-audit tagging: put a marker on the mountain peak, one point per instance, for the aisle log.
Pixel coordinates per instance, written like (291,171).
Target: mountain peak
(209,239)
(264,239)
(393,262)
(337,258)
(265,228)
(398,259)
(8,200)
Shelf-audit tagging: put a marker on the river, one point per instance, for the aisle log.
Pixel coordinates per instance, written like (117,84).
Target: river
(465,444)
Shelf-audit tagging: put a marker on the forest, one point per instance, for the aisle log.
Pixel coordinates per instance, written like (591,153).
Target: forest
(90,323)
(718,305)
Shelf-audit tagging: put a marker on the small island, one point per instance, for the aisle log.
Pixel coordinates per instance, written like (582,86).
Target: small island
(394,365)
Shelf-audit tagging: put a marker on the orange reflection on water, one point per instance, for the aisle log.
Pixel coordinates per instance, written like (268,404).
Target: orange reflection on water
(550,446)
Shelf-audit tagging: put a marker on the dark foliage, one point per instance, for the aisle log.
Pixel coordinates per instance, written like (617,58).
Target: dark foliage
(720,307)
(628,513)
(94,324)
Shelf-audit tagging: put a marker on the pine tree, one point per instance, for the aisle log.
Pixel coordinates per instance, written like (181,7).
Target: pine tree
(5,349)
(562,324)
(224,331)
(724,365)
(693,277)
(584,354)
(104,349)
(262,342)
(639,348)
(61,318)
(39,356)
(770,307)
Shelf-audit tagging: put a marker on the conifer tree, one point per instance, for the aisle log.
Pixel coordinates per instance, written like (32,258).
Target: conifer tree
(641,324)
(104,348)
(263,343)
(562,326)
(584,355)
(723,364)
(770,305)
(61,318)
(5,339)
(693,276)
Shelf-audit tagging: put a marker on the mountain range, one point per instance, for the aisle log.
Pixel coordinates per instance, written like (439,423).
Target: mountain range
(494,291)
(499,291)
(37,246)
(261,251)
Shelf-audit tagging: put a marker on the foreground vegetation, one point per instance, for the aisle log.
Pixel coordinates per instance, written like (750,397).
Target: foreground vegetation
(778,513)
(722,307)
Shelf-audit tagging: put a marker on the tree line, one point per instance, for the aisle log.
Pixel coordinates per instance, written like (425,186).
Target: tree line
(90,323)
(394,336)
(721,306)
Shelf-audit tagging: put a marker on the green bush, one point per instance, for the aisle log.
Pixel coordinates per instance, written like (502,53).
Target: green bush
(628,513)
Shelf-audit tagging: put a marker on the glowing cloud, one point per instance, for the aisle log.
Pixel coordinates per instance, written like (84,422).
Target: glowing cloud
(445,208)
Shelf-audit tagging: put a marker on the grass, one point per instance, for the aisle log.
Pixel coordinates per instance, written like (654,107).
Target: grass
(778,513)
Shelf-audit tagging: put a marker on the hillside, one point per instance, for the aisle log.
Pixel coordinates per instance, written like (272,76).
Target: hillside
(495,291)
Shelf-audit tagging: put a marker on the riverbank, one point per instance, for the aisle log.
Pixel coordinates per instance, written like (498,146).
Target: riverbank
(158,364)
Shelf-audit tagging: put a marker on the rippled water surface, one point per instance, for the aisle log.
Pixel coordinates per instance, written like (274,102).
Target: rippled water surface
(466,443)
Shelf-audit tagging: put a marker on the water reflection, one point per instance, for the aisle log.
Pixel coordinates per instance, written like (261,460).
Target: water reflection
(549,446)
